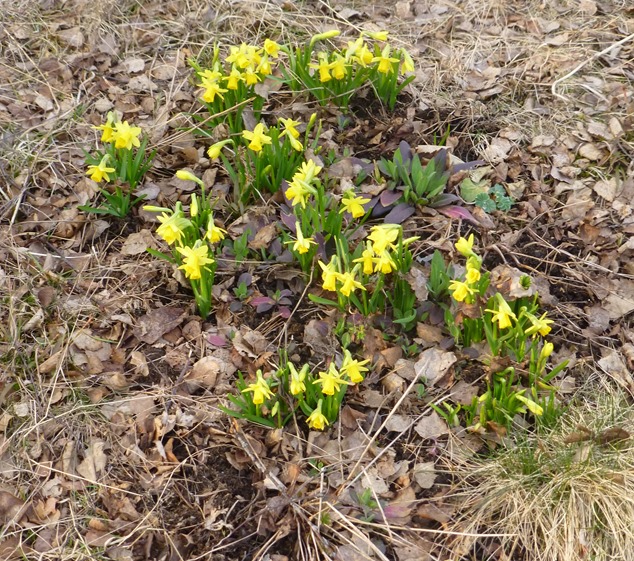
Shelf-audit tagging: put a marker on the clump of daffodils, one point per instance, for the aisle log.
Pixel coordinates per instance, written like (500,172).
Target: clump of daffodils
(272,399)
(192,237)
(123,158)
(336,74)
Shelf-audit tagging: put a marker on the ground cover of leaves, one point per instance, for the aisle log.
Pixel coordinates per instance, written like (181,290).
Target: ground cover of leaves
(112,445)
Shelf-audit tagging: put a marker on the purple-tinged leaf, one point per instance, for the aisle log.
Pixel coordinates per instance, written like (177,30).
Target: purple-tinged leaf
(284,302)
(444,199)
(406,151)
(399,214)
(466,166)
(289,221)
(284,312)
(245,278)
(263,308)
(216,340)
(261,300)
(285,292)
(388,198)
(460,212)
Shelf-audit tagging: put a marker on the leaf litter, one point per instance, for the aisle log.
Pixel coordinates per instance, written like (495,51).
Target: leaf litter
(119,403)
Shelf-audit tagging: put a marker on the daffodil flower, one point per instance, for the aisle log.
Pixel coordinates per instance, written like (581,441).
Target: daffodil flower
(250,77)
(257,137)
(383,235)
(384,263)
(367,259)
(331,380)
(302,244)
(289,127)
(107,129)
(297,385)
(212,89)
(539,325)
(233,79)
(101,171)
(215,149)
(214,234)
(503,315)
(339,67)
(353,368)
(316,420)
(186,175)
(460,290)
(239,56)
(298,192)
(465,246)
(472,276)
(349,283)
(271,48)
(307,171)
(378,35)
(329,275)
(172,226)
(385,61)
(353,204)
(323,67)
(195,258)
(126,136)
(407,65)
(260,389)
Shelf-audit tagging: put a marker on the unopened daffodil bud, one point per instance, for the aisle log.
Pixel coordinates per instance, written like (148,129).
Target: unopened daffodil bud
(188,176)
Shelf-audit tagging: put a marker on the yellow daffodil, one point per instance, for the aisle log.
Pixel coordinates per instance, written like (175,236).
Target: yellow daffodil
(307,171)
(172,226)
(186,175)
(239,56)
(329,275)
(378,35)
(323,36)
(101,171)
(349,283)
(383,235)
(465,246)
(297,385)
(257,137)
(234,78)
(291,132)
(323,67)
(385,62)
(407,65)
(339,68)
(331,381)
(302,244)
(193,207)
(298,192)
(460,290)
(503,315)
(539,325)
(209,76)
(353,204)
(316,420)
(126,136)
(214,234)
(260,389)
(264,67)
(250,77)
(367,259)
(212,89)
(384,263)
(353,368)
(358,52)
(195,258)
(107,129)
(472,276)
(533,407)
(271,48)
(546,351)
(215,149)
(289,127)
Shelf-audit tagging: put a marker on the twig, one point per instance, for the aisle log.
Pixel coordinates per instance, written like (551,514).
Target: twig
(558,81)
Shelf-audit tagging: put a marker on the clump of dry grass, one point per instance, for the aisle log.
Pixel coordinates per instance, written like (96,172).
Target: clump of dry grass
(560,494)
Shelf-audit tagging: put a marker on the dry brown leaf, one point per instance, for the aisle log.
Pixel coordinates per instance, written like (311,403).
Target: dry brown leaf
(431,426)
(152,326)
(11,508)
(425,474)
(433,364)
(95,461)
(138,242)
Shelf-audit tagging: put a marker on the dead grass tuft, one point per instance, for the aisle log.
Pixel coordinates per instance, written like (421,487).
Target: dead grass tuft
(563,494)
